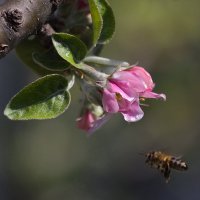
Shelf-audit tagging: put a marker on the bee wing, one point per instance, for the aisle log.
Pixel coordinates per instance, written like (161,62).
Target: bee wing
(178,157)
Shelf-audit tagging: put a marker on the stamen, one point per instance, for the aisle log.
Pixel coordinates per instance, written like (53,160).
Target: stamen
(118,96)
(142,99)
(144,104)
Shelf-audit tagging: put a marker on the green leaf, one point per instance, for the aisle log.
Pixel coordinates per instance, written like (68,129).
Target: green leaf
(108,22)
(97,20)
(70,48)
(25,50)
(50,60)
(45,98)
(103,21)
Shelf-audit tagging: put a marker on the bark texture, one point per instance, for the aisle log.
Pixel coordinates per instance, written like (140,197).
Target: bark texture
(22,18)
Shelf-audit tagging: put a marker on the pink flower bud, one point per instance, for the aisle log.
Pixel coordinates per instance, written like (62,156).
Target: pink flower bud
(124,90)
(86,121)
(89,122)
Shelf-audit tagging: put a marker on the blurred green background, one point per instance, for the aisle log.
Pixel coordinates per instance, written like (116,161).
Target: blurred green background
(53,160)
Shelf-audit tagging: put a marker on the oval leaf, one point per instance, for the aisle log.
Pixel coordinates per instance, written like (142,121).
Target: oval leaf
(50,60)
(103,21)
(97,20)
(25,50)
(45,98)
(69,47)
(108,22)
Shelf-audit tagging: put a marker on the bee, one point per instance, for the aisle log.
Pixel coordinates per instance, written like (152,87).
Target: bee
(165,162)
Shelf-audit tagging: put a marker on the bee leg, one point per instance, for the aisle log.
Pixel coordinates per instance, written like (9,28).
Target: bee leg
(147,161)
(167,173)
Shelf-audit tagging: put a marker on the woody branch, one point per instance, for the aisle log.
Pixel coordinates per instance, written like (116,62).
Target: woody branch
(22,18)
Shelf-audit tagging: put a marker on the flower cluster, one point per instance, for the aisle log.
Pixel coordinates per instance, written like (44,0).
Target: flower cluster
(122,93)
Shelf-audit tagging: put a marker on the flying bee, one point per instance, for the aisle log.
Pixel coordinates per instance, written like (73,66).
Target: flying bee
(165,162)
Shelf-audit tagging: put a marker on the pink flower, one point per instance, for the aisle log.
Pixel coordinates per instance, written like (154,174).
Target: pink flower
(89,122)
(124,90)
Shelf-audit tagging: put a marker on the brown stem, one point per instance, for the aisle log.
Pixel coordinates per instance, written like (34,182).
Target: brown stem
(22,18)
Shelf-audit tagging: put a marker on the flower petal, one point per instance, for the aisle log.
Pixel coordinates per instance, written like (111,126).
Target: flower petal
(143,75)
(85,122)
(109,102)
(134,114)
(124,104)
(122,89)
(149,94)
(98,123)
(129,82)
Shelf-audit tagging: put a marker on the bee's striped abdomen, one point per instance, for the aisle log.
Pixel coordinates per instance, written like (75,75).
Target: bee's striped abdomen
(178,164)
